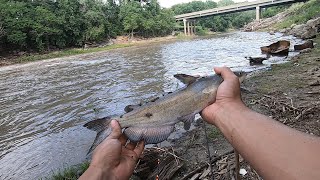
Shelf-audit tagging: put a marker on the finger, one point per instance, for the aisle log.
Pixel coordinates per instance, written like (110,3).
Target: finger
(139,148)
(116,130)
(123,139)
(131,145)
(225,72)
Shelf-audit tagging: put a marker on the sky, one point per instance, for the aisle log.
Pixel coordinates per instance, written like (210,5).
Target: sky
(169,3)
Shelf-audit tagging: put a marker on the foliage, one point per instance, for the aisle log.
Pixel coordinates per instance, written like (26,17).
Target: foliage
(200,31)
(72,172)
(147,20)
(301,13)
(272,11)
(37,25)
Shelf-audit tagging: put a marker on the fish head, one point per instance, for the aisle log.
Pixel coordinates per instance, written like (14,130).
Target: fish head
(241,75)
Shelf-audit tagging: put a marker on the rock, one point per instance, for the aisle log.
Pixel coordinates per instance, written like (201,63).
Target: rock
(292,26)
(313,22)
(256,60)
(309,34)
(282,31)
(307,44)
(305,51)
(300,26)
(271,32)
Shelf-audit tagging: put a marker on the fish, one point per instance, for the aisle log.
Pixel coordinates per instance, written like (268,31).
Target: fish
(154,121)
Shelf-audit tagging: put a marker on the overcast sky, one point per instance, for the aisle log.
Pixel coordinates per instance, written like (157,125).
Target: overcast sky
(169,3)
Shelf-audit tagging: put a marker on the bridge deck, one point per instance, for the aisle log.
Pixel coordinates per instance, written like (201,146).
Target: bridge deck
(234,8)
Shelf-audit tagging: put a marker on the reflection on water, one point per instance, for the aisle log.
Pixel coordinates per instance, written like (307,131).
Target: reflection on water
(44,104)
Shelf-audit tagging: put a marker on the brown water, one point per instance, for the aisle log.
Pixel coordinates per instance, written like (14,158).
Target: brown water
(44,104)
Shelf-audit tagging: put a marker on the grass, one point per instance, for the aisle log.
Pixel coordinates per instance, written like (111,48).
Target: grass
(300,13)
(68,52)
(73,172)
(182,36)
(214,132)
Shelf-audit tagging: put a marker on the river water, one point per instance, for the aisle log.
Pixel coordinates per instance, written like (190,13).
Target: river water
(44,104)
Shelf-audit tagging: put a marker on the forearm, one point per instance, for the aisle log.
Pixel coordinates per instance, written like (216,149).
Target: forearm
(273,149)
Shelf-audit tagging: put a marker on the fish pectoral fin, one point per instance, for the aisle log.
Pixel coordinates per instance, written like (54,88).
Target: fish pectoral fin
(187,120)
(98,124)
(186,79)
(150,135)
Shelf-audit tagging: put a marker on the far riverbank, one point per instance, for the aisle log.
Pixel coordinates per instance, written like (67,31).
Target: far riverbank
(120,42)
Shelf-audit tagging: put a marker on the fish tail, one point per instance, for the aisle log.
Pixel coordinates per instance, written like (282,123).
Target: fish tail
(101,126)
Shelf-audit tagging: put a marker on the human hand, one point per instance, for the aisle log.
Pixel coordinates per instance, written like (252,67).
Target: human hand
(112,159)
(228,94)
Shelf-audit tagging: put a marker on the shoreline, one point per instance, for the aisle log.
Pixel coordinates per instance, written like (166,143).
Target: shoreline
(65,53)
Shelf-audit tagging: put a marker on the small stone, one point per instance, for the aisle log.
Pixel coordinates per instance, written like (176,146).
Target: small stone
(271,32)
(292,26)
(282,31)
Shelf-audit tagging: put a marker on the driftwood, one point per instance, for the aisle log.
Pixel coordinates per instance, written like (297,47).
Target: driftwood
(158,163)
(189,175)
(307,44)
(256,60)
(278,48)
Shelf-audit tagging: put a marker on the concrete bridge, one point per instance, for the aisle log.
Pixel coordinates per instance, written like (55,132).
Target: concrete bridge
(189,18)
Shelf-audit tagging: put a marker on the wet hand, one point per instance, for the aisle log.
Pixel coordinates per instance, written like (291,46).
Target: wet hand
(228,94)
(112,159)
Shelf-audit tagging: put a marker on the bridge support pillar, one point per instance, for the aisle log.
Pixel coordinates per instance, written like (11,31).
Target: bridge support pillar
(185,26)
(258,13)
(188,28)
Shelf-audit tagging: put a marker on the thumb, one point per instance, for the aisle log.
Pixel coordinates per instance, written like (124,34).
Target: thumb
(116,130)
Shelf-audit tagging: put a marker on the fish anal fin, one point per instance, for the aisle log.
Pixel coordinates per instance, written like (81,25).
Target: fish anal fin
(150,135)
(187,120)
(98,124)
(186,79)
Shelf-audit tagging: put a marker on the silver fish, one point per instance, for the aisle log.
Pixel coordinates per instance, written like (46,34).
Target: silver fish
(154,121)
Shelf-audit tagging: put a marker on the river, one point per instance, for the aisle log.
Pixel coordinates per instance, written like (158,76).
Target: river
(44,104)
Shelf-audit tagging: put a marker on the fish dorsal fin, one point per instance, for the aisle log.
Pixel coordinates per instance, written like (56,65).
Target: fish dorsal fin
(150,135)
(187,120)
(186,79)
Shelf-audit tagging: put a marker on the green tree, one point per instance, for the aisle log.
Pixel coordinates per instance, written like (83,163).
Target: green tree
(131,15)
